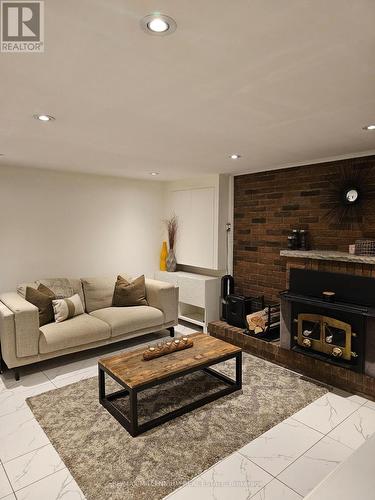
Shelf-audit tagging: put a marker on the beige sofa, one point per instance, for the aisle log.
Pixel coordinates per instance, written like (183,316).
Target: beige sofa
(23,342)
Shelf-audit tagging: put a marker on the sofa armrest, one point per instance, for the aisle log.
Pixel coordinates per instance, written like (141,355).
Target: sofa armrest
(7,335)
(163,296)
(26,323)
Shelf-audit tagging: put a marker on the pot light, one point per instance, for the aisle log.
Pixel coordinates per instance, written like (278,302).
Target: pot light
(158,24)
(369,127)
(44,118)
(154,173)
(235,156)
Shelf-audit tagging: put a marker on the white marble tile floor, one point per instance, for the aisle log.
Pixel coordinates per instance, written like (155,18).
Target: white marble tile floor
(285,463)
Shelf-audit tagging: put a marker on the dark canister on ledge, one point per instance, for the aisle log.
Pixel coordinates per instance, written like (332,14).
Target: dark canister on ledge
(295,233)
(303,240)
(293,240)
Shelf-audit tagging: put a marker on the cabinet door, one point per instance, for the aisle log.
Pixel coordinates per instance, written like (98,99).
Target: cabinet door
(181,206)
(192,291)
(195,209)
(203,223)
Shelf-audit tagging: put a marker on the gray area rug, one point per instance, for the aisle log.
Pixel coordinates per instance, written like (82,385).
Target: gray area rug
(108,463)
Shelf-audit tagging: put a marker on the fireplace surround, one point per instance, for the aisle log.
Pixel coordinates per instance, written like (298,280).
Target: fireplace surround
(331,317)
(358,381)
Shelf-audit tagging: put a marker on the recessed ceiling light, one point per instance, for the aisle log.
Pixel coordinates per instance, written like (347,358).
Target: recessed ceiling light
(158,24)
(235,156)
(154,173)
(369,127)
(44,118)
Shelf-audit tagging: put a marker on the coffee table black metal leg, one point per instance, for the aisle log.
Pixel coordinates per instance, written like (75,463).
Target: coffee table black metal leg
(133,400)
(239,370)
(101,376)
(1,363)
(171,331)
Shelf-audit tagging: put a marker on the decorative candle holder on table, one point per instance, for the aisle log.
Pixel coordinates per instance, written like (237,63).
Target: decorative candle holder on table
(168,347)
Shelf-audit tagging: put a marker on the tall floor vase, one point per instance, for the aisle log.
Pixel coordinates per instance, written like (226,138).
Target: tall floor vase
(171,261)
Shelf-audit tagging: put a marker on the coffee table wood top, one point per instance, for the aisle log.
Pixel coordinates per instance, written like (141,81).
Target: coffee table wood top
(131,369)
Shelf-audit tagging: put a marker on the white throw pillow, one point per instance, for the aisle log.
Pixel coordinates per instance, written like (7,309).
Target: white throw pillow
(67,308)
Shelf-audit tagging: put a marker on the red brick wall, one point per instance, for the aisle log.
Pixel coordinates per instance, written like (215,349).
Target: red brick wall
(268,205)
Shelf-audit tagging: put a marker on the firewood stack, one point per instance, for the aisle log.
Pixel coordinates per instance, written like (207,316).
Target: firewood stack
(261,321)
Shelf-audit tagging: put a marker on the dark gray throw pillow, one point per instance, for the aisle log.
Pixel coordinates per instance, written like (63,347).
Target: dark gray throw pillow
(130,294)
(42,299)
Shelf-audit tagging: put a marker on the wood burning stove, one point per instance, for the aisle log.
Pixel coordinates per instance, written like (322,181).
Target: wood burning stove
(340,331)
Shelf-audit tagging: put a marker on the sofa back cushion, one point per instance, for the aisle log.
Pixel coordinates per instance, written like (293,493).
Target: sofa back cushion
(62,287)
(21,288)
(77,288)
(98,292)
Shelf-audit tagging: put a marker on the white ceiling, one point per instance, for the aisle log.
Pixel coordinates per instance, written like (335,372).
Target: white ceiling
(280,82)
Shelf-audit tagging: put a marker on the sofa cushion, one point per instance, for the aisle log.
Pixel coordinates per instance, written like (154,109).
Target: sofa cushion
(21,288)
(61,287)
(42,299)
(76,284)
(130,319)
(74,332)
(129,293)
(98,292)
(67,308)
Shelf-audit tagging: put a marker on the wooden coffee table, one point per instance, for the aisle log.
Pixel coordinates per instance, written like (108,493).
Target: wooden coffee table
(135,375)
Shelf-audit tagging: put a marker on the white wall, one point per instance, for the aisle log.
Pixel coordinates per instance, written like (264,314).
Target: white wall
(71,225)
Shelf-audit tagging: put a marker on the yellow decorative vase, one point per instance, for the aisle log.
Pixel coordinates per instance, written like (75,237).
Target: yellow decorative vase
(163,257)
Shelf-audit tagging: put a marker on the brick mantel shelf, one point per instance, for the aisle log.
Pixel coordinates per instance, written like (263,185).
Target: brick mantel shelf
(330,261)
(328,255)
